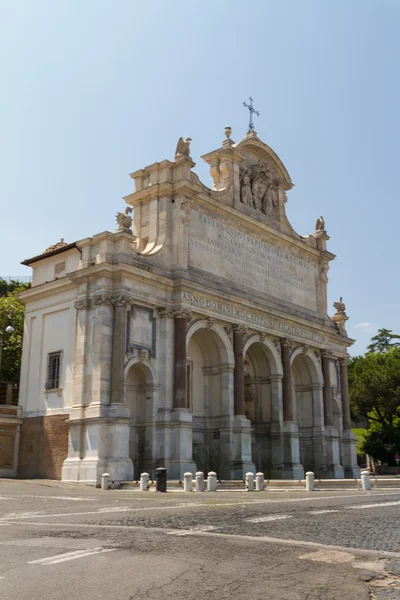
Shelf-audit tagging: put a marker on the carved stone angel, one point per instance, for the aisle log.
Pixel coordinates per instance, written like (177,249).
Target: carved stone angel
(183,147)
(247,195)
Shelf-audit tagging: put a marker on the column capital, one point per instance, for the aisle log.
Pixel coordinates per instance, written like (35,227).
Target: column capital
(164,312)
(239,329)
(104,298)
(343,361)
(182,313)
(287,343)
(82,304)
(326,354)
(121,300)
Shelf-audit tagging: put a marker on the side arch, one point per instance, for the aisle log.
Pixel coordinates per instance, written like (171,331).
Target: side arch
(312,363)
(269,348)
(219,336)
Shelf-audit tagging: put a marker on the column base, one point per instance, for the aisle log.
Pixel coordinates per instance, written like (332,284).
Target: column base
(349,453)
(241,448)
(334,469)
(291,468)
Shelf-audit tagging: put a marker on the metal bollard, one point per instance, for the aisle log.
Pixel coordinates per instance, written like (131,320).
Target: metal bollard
(199,481)
(187,482)
(212,482)
(105,481)
(249,482)
(161,479)
(365,480)
(144,482)
(309,481)
(259,482)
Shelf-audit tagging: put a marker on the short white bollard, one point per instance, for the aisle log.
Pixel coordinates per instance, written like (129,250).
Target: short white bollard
(309,481)
(187,482)
(365,480)
(199,481)
(259,482)
(105,481)
(249,482)
(212,482)
(144,482)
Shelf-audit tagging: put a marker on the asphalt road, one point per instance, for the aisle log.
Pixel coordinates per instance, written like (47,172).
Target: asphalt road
(60,541)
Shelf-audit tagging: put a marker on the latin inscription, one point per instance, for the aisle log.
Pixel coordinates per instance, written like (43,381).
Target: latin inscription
(253,318)
(240,258)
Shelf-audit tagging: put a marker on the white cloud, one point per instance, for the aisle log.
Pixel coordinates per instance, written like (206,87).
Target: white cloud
(363,325)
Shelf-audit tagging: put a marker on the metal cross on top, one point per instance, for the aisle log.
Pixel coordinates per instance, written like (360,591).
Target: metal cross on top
(251,110)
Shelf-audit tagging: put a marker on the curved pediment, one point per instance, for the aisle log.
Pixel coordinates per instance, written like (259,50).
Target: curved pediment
(255,153)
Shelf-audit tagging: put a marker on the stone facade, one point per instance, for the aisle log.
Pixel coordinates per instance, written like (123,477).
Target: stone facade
(196,336)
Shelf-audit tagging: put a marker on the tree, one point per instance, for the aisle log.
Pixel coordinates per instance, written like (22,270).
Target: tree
(12,286)
(12,343)
(383,341)
(374,381)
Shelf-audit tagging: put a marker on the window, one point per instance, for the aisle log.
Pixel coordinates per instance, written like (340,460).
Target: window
(53,371)
(59,270)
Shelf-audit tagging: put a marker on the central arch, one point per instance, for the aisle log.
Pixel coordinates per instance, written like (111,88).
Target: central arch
(263,403)
(210,364)
(308,408)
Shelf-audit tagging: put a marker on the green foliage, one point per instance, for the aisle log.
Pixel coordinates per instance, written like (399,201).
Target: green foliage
(360,436)
(12,287)
(374,382)
(10,306)
(383,341)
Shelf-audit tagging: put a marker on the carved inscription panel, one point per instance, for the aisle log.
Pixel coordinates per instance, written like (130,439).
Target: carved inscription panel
(227,252)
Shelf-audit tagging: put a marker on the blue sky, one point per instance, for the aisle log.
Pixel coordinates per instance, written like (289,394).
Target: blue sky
(93,90)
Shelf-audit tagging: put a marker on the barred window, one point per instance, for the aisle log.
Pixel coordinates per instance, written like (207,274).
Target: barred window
(53,370)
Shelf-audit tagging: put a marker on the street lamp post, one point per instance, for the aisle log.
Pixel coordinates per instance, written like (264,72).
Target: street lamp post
(9,329)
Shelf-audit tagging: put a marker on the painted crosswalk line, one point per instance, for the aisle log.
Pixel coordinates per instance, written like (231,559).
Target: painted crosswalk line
(59,558)
(323,511)
(377,505)
(269,518)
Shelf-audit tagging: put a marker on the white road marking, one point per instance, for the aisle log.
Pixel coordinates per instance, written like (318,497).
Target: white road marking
(181,532)
(59,558)
(269,518)
(377,505)
(13,516)
(73,498)
(322,512)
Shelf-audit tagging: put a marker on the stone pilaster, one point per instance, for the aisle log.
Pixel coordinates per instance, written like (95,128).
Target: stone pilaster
(349,452)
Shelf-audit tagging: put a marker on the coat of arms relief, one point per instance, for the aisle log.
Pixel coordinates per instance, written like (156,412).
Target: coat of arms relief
(259,187)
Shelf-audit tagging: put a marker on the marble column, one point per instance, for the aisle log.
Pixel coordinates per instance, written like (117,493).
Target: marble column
(180,384)
(121,304)
(349,452)
(328,410)
(287,388)
(238,374)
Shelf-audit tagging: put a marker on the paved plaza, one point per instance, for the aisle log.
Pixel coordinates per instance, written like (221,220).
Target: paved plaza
(68,541)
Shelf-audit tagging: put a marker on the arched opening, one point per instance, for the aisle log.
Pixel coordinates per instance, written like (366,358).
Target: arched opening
(304,385)
(262,403)
(207,397)
(139,400)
